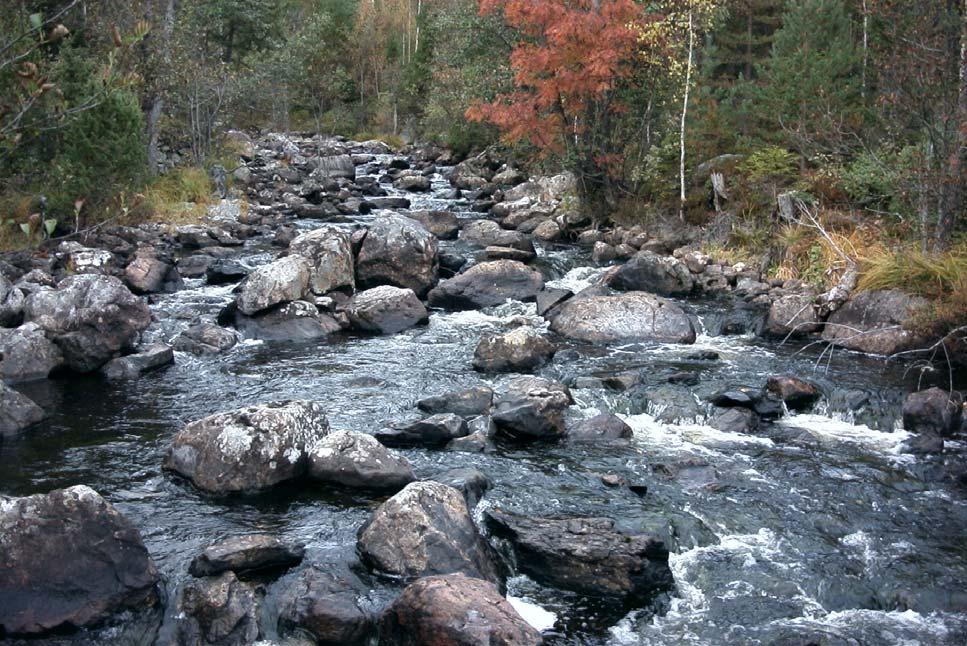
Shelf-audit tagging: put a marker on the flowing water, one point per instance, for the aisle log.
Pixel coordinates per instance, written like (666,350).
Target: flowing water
(818,529)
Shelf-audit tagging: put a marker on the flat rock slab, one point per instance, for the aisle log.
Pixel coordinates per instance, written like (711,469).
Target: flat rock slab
(246,554)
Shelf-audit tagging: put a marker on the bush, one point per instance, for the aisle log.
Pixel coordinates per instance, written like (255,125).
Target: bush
(772,164)
(182,194)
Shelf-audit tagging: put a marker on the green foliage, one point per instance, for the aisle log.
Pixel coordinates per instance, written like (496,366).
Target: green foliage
(770,164)
(911,270)
(237,27)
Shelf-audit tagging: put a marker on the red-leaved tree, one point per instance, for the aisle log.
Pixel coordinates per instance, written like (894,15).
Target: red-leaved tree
(572,61)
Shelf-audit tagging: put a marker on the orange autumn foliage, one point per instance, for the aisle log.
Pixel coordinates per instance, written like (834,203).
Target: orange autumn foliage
(572,55)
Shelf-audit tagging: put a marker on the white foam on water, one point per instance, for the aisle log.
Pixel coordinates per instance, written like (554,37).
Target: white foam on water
(901,628)
(577,279)
(831,430)
(533,614)
(696,438)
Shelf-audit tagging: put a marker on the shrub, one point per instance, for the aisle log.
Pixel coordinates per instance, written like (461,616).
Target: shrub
(772,165)
(935,276)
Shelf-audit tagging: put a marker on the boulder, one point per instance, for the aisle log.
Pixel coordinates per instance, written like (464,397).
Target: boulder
(132,366)
(220,611)
(454,610)
(548,299)
(252,553)
(934,411)
(443,224)
(69,559)
(792,315)
(326,604)
(91,318)
(413,183)
(426,530)
(520,350)
(353,459)
(872,322)
(224,270)
(250,448)
(649,272)
(17,411)
(335,167)
(487,233)
(386,310)
(487,284)
(796,393)
(11,303)
(508,253)
(603,426)
(472,483)
(148,274)
(205,338)
(532,408)
(764,403)
(330,255)
(26,354)
(586,555)
(398,251)
(548,231)
(735,420)
(281,281)
(466,403)
(295,321)
(631,316)
(436,430)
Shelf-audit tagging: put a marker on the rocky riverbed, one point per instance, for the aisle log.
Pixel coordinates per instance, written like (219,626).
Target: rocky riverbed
(389,398)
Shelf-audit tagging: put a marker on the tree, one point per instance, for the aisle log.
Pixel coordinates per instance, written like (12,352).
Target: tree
(811,87)
(571,63)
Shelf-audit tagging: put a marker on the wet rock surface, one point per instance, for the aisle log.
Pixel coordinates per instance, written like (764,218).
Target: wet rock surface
(246,554)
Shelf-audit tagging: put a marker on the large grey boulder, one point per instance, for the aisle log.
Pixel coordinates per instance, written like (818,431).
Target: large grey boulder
(281,281)
(26,354)
(521,350)
(586,555)
(872,322)
(443,224)
(353,459)
(148,274)
(90,317)
(386,310)
(436,430)
(455,610)
(205,338)
(292,321)
(532,408)
(933,410)
(466,403)
(335,167)
(17,411)
(792,315)
(424,530)
(248,449)
(488,284)
(398,251)
(330,256)
(487,233)
(649,272)
(69,559)
(629,316)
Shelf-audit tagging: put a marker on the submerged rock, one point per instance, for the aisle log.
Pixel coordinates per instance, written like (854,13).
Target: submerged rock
(631,316)
(355,459)
(246,554)
(520,350)
(386,310)
(487,284)
(425,530)
(250,448)
(69,559)
(91,318)
(455,610)
(587,555)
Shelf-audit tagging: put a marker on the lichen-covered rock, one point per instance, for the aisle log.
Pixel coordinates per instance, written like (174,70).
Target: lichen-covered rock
(629,316)
(872,322)
(69,559)
(219,611)
(649,272)
(488,284)
(455,610)
(398,251)
(250,448)
(532,408)
(355,459)
(425,530)
(17,411)
(436,430)
(281,281)
(933,410)
(466,403)
(148,274)
(520,350)
(205,338)
(131,366)
(91,318)
(330,256)
(11,303)
(792,315)
(386,310)
(26,354)
(443,224)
